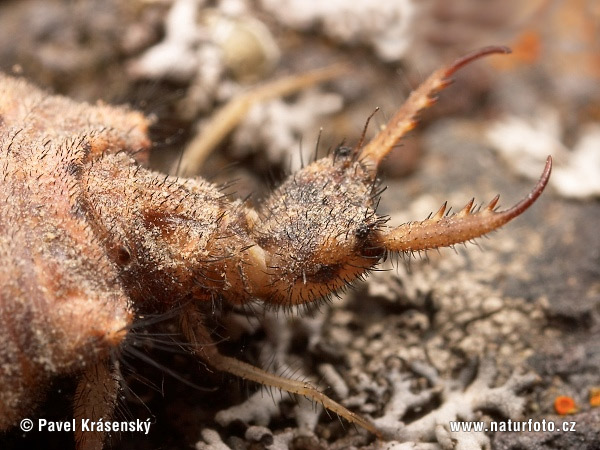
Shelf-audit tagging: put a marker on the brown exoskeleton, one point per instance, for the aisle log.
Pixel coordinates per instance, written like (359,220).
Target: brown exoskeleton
(89,237)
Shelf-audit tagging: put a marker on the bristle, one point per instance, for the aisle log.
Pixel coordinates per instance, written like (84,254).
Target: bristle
(493,203)
(440,213)
(467,208)
(364,132)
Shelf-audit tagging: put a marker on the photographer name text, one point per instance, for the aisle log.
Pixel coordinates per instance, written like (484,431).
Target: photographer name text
(88,425)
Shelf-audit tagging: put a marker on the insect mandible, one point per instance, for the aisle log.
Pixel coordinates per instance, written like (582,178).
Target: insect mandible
(89,238)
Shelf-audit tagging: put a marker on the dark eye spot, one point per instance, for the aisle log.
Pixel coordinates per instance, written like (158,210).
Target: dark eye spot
(342,151)
(362,231)
(325,273)
(123,255)
(74,168)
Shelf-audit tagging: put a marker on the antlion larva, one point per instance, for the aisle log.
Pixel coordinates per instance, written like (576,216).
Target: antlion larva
(90,238)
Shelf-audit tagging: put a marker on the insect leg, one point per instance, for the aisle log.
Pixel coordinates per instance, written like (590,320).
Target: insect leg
(204,347)
(95,399)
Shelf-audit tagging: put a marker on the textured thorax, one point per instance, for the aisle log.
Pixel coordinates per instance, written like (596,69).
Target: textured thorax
(165,234)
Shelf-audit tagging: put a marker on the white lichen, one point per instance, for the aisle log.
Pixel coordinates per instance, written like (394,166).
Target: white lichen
(386,25)
(459,401)
(211,440)
(334,380)
(176,56)
(281,129)
(217,52)
(205,47)
(275,357)
(258,409)
(580,176)
(267,439)
(526,142)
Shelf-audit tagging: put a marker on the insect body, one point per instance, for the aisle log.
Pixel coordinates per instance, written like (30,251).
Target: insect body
(89,237)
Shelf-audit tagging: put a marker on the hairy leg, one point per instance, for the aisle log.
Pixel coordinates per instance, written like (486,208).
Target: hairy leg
(95,399)
(203,346)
